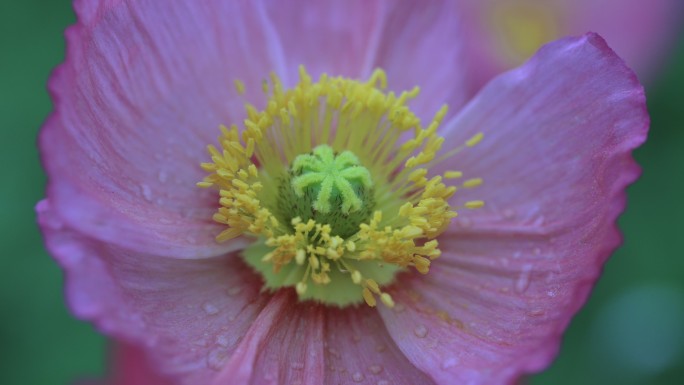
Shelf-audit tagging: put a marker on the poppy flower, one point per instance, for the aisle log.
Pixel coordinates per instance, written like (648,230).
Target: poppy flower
(357,220)
(504,33)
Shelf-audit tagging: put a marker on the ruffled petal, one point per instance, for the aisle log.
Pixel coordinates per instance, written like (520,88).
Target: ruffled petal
(188,314)
(555,160)
(643,48)
(142,92)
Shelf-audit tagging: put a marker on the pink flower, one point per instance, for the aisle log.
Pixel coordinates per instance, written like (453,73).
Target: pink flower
(142,93)
(504,33)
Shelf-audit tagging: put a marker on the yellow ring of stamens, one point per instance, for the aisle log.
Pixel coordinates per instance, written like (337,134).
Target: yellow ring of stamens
(367,128)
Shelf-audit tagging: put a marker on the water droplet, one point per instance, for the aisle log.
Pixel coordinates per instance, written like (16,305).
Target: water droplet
(523,281)
(223,340)
(420,331)
(146,192)
(297,365)
(358,377)
(216,358)
(450,363)
(209,308)
(234,290)
(375,369)
(551,293)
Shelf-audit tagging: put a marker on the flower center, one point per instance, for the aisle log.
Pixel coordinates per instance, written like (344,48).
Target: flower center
(331,180)
(328,188)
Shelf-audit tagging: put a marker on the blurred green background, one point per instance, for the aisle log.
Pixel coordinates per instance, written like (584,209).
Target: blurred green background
(630,332)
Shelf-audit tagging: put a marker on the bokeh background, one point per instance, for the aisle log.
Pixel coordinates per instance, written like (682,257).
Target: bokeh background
(630,332)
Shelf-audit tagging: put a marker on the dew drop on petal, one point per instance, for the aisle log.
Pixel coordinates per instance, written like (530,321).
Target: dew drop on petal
(420,331)
(146,192)
(375,369)
(449,363)
(222,340)
(297,365)
(358,377)
(216,358)
(523,281)
(209,308)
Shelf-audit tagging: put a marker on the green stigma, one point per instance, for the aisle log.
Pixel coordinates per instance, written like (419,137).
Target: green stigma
(328,188)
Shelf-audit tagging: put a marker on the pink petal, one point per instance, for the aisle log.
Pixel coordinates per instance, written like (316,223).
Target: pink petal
(187,313)
(306,343)
(555,159)
(337,38)
(283,346)
(142,92)
(640,32)
(359,349)
(421,45)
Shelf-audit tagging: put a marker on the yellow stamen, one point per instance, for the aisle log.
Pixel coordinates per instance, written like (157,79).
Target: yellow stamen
(239,86)
(339,193)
